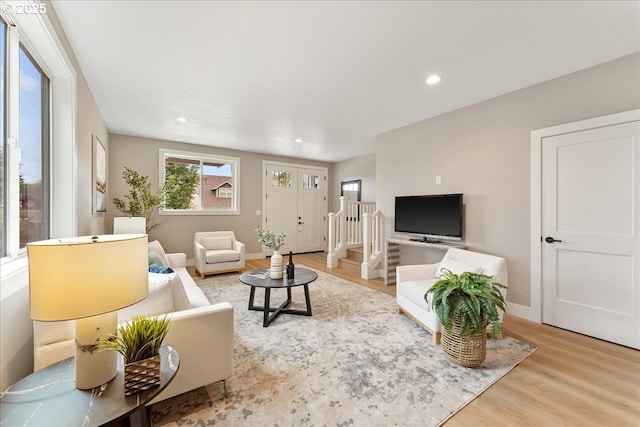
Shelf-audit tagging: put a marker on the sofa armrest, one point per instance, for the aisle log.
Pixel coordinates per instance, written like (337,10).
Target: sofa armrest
(203,338)
(177,260)
(199,256)
(238,246)
(405,273)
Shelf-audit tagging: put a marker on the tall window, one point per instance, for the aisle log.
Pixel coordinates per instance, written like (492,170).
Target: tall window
(197,183)
(24,128)
(33,143)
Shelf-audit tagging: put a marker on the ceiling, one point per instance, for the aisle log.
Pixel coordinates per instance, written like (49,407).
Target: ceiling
(255,76)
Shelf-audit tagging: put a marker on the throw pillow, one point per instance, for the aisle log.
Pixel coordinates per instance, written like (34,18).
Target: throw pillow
(154,258)
(160,270)
(216,243)
(157,255)
(456,267)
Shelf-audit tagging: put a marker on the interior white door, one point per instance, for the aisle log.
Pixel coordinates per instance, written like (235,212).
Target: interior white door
(281,204)
(591,226)
(312,207)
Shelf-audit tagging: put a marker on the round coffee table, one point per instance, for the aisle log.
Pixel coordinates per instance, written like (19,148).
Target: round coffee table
(260,279)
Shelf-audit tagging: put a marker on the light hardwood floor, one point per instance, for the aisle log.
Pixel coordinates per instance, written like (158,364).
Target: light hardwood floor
(571,380)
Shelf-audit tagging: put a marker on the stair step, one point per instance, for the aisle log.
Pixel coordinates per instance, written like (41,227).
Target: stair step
(350,265)
(355,254)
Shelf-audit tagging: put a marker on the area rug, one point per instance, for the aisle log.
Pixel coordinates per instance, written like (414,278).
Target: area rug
(355,362)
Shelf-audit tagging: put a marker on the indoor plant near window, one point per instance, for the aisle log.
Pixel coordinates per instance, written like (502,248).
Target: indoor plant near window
(465,305)
(140,201)
(139,341)
(272,241)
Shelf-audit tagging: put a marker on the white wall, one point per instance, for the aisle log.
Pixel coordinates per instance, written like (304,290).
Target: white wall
(483,151)
(362,168)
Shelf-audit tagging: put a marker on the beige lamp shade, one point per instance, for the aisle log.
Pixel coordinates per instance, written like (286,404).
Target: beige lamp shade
(86,276)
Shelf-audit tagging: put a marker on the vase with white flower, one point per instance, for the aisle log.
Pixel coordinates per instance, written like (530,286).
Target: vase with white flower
(272,241)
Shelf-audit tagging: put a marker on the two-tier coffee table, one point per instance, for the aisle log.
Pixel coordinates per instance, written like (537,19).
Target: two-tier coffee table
(260,279)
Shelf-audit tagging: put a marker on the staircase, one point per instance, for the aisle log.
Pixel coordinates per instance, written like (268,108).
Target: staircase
(353,262)
(355,233)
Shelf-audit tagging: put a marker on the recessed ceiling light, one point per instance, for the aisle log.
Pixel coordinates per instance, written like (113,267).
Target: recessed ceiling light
(433,79)
(181,119)
(298,139)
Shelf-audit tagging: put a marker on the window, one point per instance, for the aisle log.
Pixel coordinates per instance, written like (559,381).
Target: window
(24,127)
(225,192)
(3,136)
(310,181)
(197,183)
(34,147)
(281,179)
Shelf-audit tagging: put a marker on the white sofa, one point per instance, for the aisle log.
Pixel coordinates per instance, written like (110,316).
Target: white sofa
(202,333)
(413,281)
(217,252)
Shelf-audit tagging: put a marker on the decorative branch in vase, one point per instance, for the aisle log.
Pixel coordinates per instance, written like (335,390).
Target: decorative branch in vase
(272,241)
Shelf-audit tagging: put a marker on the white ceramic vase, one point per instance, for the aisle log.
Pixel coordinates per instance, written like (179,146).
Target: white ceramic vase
(275,272)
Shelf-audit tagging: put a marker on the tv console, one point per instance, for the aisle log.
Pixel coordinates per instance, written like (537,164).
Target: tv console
(425,240)
(392,254)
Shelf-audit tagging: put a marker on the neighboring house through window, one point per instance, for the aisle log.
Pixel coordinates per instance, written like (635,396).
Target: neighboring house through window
(199,183)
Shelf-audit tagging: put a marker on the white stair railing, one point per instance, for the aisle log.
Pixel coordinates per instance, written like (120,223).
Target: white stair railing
(355,224)
(372,245)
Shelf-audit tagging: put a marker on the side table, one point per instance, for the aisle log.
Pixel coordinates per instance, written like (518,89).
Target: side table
(51,398)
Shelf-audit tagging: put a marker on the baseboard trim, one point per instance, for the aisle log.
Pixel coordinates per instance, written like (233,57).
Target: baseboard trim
(522,311)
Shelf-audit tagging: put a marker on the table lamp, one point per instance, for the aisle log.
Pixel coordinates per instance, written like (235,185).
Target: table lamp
(87,279)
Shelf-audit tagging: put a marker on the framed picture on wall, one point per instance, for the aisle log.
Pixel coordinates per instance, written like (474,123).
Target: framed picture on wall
(99,176)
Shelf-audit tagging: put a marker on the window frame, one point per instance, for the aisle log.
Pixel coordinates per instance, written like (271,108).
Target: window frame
(164,153)
(39,38)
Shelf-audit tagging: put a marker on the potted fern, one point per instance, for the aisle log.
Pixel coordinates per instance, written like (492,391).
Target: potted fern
(466,304)
(139,341)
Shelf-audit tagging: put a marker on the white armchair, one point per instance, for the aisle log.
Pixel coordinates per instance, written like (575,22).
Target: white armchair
(217,252)
(413,281)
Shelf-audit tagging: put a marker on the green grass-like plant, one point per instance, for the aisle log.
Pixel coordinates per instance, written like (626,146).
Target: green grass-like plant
(139,338)
(471,296)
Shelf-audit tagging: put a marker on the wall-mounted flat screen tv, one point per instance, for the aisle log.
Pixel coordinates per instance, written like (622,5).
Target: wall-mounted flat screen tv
(430,217)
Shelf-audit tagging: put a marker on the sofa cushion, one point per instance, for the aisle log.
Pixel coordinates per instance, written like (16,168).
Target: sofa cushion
(455,267)
(216,243)
(156,254)
(414,290)
(159,301)
(215,257)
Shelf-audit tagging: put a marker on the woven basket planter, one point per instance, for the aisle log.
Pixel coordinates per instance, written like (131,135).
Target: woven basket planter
(141,375)
(468,351)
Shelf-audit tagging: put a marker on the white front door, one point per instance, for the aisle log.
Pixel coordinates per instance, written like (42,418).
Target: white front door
(590,231)
(312,208)
(296,204)
(281,204)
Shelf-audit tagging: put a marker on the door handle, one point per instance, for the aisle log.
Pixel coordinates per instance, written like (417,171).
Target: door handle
(550,239)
